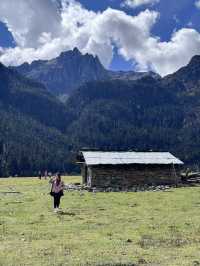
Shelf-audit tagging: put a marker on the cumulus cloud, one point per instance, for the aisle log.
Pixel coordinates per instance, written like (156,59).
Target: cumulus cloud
(167,57)
(75,26)
(28,19)
(197,4)
(137,3)
(69,24)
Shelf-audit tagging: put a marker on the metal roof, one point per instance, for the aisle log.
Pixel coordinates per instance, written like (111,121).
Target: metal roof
(116,158)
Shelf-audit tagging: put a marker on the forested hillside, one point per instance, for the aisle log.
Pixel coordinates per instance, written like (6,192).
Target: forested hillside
(38,132)
(125,115)
(31,126)
(26,146)
(146,114)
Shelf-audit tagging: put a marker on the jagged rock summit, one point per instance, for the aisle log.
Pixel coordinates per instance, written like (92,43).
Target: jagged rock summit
(187,78)
(71,69)
(66,72)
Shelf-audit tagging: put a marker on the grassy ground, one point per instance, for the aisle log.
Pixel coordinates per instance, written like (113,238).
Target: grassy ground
(143,228)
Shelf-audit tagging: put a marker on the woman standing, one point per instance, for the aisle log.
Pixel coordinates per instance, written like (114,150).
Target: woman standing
(57,190)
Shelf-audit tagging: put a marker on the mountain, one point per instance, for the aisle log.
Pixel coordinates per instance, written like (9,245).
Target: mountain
(30,98)
(27,146)
(186,84)
(188,75)
(145,114)
(66,72)
(131,75)
(31,126)
(114,115)
(70,70)
(38,132)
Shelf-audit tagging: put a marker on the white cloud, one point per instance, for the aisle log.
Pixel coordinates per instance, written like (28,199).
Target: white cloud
(167,57)
(96,33)
(28,19)
(197,4)
(137,3)
(89,31)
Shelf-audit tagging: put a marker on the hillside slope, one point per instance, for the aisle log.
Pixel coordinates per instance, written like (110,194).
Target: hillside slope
(144,114)
(30,97)
(158,114)
(31,122)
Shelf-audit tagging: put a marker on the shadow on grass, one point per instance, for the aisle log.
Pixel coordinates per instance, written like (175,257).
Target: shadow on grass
(13,202)
(10,192)
(147,242)
(66,213)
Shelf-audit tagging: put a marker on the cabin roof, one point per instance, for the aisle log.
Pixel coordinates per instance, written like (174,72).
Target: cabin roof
(122,158)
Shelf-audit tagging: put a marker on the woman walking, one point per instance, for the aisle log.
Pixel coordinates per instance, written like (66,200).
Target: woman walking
(57,190)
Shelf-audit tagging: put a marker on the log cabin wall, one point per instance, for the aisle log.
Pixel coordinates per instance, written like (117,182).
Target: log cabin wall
(123,176)
(84,173)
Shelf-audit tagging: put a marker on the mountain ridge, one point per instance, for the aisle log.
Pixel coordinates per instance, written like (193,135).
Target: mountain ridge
(72,69)
(65,72)
(30,97)
(143,114)
(32,127)
(149,113)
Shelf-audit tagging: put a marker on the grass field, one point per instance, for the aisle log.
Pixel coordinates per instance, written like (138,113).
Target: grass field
(143,228)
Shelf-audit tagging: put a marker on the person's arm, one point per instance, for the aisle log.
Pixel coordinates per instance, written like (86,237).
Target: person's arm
(51,180)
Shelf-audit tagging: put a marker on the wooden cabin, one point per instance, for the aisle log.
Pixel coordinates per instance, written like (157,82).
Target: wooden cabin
(128,169)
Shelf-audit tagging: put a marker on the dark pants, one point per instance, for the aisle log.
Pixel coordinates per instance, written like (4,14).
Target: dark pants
(57,197)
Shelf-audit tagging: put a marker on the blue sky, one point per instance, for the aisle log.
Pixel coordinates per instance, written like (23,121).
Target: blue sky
(6,39)
(164,19)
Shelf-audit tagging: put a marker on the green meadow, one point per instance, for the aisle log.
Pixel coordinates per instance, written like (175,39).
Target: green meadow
(97,229)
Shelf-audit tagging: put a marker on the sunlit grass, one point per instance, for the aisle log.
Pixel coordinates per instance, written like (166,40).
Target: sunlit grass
(143,228)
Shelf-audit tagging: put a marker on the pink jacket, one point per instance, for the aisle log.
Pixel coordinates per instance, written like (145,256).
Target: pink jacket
(56,188)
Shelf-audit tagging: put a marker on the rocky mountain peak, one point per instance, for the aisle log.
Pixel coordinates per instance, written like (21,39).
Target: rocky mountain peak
(78,58)
(3,68)
(4,71)
(66,72)
(195,61)
(190,71)
(187,78)
(74,52)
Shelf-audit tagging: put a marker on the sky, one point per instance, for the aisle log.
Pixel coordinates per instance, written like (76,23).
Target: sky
(140,35)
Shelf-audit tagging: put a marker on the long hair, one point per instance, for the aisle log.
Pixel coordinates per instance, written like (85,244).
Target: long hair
(58,179)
